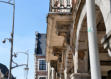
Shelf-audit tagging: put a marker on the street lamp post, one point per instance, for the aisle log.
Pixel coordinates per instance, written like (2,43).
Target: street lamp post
(12,36)
(27,68)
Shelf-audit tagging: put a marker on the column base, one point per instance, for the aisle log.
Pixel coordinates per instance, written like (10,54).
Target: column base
(80,76)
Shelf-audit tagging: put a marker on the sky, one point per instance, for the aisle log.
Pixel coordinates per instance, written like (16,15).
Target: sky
(30,16)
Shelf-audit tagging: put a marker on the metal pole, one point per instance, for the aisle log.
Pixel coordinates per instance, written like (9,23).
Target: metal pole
(12,39)
(27,66)
(92,38)
(6,2)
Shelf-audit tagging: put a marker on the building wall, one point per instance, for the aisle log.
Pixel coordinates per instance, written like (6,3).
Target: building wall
(39,73)
(40,54)
(76,39)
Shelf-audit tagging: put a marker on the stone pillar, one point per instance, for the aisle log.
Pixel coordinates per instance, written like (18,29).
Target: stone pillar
(49,69)
(52,70)
(92,39)
(75,61)
(65,74)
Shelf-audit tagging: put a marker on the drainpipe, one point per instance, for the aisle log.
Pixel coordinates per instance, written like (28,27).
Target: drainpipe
(92,38)
(65,74)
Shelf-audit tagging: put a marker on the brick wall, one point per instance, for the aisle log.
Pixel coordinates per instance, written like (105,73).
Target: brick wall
(37,71)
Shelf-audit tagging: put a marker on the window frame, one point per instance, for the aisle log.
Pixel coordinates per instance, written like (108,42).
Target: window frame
(39,64)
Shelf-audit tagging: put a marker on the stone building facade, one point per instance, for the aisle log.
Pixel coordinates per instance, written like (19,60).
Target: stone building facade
(40,57)
(68,47)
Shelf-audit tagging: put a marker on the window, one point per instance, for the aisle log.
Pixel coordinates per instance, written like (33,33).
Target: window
(42,77)
(42,65)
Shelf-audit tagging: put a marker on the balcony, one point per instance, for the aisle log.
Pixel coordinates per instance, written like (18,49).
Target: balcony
(62,6)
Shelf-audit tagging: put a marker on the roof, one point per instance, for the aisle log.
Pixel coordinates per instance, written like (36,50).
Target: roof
(40,47)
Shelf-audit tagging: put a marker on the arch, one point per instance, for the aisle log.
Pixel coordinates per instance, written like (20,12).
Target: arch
(82,31)
(105,10)
(104,7)
(98,3)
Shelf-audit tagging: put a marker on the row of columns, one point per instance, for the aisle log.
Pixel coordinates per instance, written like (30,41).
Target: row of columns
(92,41)
(54,75)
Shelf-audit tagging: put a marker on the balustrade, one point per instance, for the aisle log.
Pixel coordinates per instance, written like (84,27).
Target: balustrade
(60,5)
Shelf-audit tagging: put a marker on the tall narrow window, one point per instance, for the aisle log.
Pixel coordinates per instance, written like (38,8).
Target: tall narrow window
(42,65)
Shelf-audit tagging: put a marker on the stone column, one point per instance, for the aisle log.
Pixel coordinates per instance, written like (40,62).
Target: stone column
(65,74)
(49,69)
(92,38)
(52,70)
(75,61)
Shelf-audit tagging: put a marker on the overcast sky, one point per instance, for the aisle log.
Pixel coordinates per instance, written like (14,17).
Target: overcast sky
(30,16)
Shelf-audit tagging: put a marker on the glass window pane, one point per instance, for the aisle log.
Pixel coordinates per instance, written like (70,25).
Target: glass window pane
(42,65)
